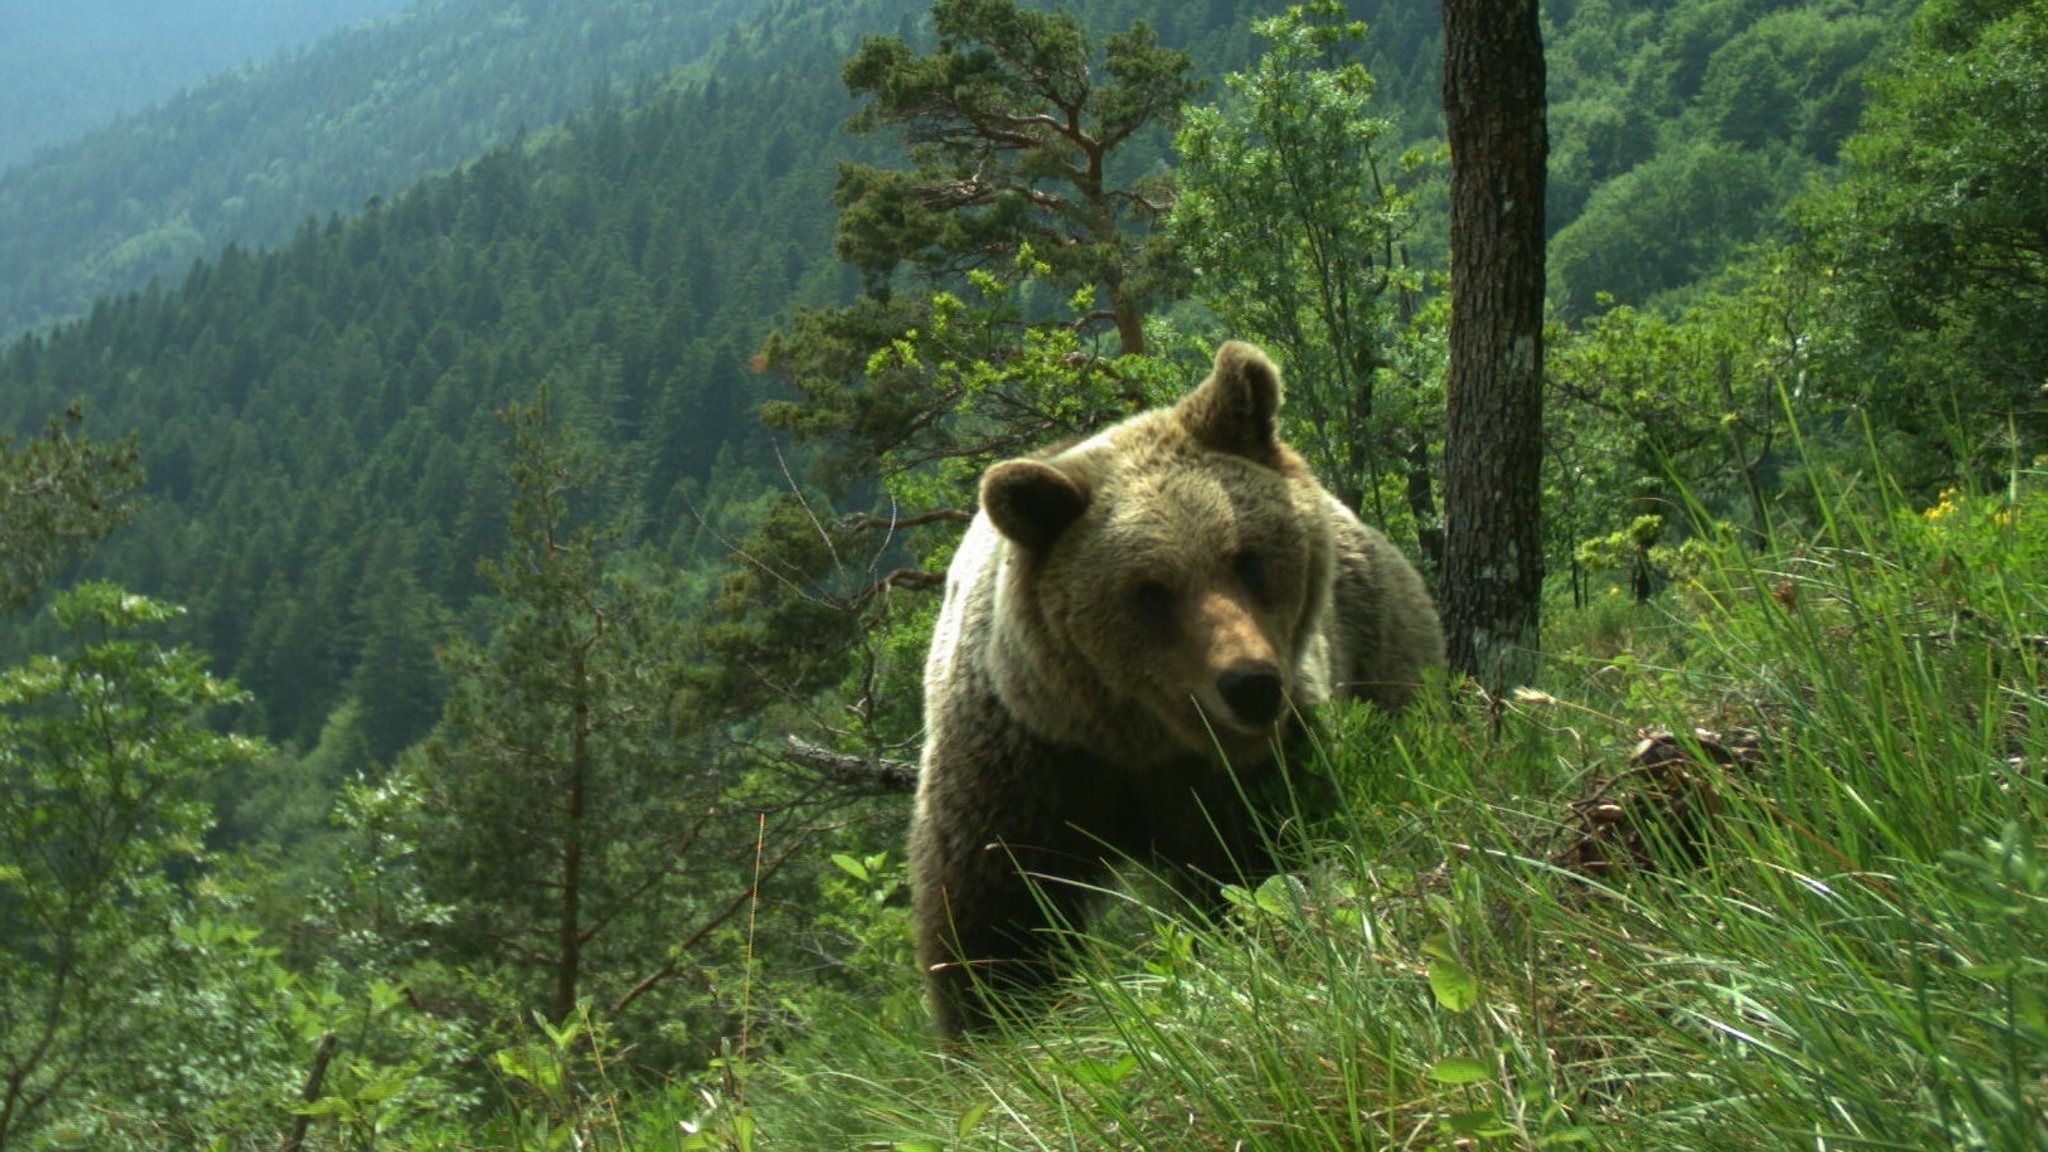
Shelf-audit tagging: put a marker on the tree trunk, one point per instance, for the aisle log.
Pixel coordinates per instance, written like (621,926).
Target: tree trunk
(1492,577)
(1429,530)
(1130,322)
(1494,111)
(569,929)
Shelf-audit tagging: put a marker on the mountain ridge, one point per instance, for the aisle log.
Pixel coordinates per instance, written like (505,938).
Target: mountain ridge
(248,155)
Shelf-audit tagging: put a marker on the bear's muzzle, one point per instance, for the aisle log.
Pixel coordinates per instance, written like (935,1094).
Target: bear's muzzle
(1254,691)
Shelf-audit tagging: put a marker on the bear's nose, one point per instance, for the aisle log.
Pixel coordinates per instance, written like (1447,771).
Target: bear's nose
(1253,691)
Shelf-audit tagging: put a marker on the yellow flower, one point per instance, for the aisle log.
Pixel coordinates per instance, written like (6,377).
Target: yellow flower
(1945,506)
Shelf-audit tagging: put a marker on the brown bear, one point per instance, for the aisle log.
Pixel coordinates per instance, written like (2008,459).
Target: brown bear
(1131,626)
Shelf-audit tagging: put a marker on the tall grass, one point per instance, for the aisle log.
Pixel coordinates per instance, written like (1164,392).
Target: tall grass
(1841,942)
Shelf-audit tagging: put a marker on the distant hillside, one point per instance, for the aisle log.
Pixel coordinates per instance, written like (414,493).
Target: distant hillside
(249,155)
(68,68)
(324,465)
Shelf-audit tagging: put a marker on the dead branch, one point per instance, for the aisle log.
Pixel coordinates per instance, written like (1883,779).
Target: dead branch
(746,896)
(862,522)
(911,580)
(847,768)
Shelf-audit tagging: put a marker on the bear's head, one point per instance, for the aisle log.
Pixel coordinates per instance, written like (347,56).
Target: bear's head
(1163,591)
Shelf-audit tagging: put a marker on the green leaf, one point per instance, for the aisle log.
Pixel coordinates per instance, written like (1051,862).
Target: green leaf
(1281,897)
(324,1107)
(563,1036)
(1104,1073)
(1453,984)
(1459,1070)
(378,1090)
(851,866)
(1483,1122)
(970,1118)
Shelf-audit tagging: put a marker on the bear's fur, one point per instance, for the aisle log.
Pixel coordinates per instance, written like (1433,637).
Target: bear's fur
(1129,627)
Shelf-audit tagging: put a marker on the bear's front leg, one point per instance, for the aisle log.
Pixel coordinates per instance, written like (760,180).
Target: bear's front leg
(989,915)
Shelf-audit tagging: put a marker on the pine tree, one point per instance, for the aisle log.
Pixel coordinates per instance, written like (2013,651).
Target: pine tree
(569,823)
(1014,133)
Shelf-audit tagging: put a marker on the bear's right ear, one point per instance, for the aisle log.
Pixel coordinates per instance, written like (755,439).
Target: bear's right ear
(1235,409)
(1031,502)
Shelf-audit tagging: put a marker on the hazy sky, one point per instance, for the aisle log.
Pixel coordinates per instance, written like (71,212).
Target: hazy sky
(69,66)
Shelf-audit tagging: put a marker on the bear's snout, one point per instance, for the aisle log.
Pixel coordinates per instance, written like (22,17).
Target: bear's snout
(1254,691)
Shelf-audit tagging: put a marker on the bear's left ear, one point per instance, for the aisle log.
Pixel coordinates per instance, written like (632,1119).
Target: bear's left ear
(1031,502)
(1234,409)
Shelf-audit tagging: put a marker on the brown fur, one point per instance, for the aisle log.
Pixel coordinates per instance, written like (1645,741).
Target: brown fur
(1129,622)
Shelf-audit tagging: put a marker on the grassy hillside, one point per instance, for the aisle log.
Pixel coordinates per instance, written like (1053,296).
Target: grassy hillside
(1762,868)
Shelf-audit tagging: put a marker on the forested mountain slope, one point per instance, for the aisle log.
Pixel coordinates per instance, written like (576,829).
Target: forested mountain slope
(324,462)
(321,446)
(316,419)
(1720,108)
(249,155)
(1679,131)
(66,69)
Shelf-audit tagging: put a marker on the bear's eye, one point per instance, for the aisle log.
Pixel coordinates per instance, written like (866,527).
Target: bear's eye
(1153,603)
(1251,572)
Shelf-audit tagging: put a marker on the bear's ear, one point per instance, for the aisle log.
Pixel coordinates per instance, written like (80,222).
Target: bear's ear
(1234,409)
(1031,502)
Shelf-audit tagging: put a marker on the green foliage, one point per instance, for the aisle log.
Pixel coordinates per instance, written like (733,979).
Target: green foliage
(1665,223)
(1933,249)
(1292,221)
(323,467)
(589,848)
(103,770)
(1646,404)
(1016,136)
(559,1079)
(1794,77)
(865,912)
(1680,132)
(66,71)
(58,493)
(374,997)
(561,761)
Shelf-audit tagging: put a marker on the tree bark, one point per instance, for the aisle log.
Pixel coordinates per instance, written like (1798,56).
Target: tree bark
(1492,578)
